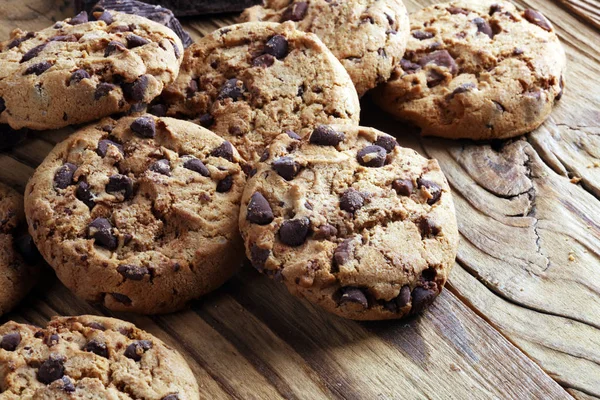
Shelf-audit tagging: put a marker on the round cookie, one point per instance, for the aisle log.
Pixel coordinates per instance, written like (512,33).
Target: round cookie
(18,256)
(78,71)
(251,82)
(478,70)
(139,214)
(367,36)
(352,222)
(90,357)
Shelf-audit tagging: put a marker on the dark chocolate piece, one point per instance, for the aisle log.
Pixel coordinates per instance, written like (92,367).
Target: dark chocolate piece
(188,8)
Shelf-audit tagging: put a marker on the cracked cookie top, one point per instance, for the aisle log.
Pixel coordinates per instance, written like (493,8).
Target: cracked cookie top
(78,70)
(140,213)
(93,358)
(250,82)
(479,70)
(351,221)
(367,36)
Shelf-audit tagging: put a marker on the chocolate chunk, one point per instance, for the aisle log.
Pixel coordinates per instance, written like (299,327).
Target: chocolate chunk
(17,41)
(286,167)
(422,297)
(225,150)
(136,91)
(325,232)
(355,296)
(324,135)
(96,347)
(465,87)
(225,184)
(294,232)
(103,89)
(52,369)
(133,272)
(277,46)
(67,384)
(387,142)
(404,297)
(112,47)
(38,68)
(432,188)
(409,67)
(428,227)
(158,110)
(264,156)
(344,252)
(26,248)
(232,89)
(162,167)
(84,194)
(403,187)
(80,18)
(97,326)
(422,35)
(372,156)
(538,19)
(259,210)
(78,76)
(120,184)
(196,165)
(351,201)
(103,146)
(10,341)
(52,340)
(171,397)
(494,8)
(441,58)
(134,41)
(144,127)
(121,298)
(33,52)
(259,256)
(192,88)
(483,27)
(106,17)
(207,120)
(64,176)
(295,12)
(100,230)
(457,10)
(64,38)
(292,135)
(136,349)
(265,60)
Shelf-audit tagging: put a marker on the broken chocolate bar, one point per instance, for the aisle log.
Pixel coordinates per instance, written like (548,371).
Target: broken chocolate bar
(187,8)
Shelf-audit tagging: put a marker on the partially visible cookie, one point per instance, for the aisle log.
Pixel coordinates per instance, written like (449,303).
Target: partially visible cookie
(352,222)
(78,71)
(367,36)
(90,357)
(18,255)
(250,82)
(139,214)
(478,70)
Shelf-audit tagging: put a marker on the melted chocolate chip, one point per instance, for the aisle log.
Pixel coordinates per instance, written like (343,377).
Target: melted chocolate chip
(259,256)
(161,167)
(134,41)
(133,272)
(120,184)
(38,68)
(225,184)
(103,89)
(19,40)
(196,165)
(353,295)
(233,89)
(292,135)
(144,127)
(67,384)
(259,210)
(428,227)
(112,47)
(10,341)
(432,188)
(64,176)
(33,52)
(351,201)
(265,60)
(207,120)
(538,19)
(64,38)
(294,232)
(422,297)
(100,230)
(277,46)
(441,58)
(103,147)
(286,167)
(136,349)
(422,35)
(96,347)
(225,150)
(483,27)
(403,187)
(80,18)
(78,76)
(404,297)
(84,194)
(295,12)
(51,370)
(387,142)
(136,91)
(325,135)
(344,252)
(372,156)
(106,17)
(121,298)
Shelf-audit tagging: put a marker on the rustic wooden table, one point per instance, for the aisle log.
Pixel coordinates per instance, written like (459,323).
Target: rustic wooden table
(520,318)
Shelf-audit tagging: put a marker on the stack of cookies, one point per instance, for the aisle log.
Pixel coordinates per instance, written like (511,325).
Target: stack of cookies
(249,140)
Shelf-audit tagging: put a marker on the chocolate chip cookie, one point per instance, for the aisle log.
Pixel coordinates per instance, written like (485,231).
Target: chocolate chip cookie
(352,222)
(251,82)
(367,36)
(479,70)
(79,70)
(90,357)
(139,214)
(18,256)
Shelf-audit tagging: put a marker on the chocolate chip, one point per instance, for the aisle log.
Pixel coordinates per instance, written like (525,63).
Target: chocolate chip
(38,68)
(351,201)
(192,88)
(144,127)
(103,89)
(465,87)
(225,184)
(372,156)
(80,18)
(171,397)
(78,76)
(441,58)
(196,165)
(51,370)
(483,27)
(112,47)
(136,91)
(422,297)
(389,143)
(2,104)
(286,167)
(259,210)
(233,89)
(409,67)
(10,341)
(207,120)
(494,8)
(134,41)
(67,385)
(121,298)
(404,297)
(259,256)
(19,40)
(421,35)
(538,19)
(159,110)
(64,176)
(120,184)
(429,274)
(344,252)
(295,12)
(353,295)
(277,46)
(33,52)
(428,227)
(264,156)
(324,135)
(161,167)
(100,230)
(133,272)
(403,187)
(96,325)
(64,38)
(457,10)
(103,146)
(265,60)
(106,17)
(294,232)
(26,248)
(96,347)
(52,340)
(136,349)
(225,150)
(292,135)
(432,188)
(84,194)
